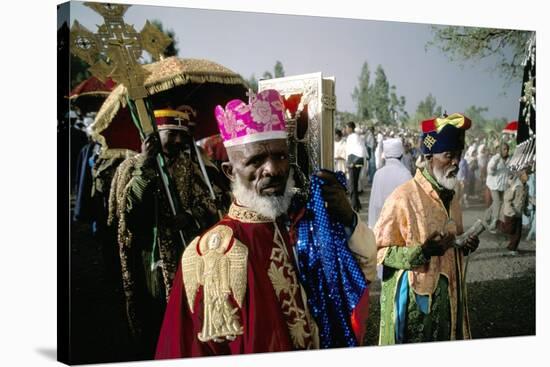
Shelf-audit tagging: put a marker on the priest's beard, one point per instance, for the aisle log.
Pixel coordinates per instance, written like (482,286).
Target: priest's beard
(446,178)
(268,206)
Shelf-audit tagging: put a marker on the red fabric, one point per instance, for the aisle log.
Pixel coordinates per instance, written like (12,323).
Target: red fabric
(428,126)
(122,133)
(215,149)
(264,323)
(512,126)
(91,85)
(265,326)
(291,103)
(360,316)
(166,121)
(467,123)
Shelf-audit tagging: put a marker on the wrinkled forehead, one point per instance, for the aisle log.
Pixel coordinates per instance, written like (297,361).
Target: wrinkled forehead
(250,150)
(449,154)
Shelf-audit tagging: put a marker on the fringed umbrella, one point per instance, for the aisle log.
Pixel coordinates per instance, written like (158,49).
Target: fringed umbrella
(90,94)
(172,82)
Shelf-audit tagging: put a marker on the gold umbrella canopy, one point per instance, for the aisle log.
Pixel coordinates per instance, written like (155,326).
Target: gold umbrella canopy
(172,82)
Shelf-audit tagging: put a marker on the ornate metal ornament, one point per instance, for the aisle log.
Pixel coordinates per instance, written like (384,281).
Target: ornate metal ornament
(116,48)
(154,41)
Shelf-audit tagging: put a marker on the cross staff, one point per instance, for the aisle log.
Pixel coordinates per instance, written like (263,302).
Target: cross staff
(120,44)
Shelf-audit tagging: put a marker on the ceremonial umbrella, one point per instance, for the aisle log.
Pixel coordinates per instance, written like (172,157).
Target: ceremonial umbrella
(511,128)
(171,82)
(90,94)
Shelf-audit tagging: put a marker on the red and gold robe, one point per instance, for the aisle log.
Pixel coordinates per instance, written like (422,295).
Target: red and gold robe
(257,305)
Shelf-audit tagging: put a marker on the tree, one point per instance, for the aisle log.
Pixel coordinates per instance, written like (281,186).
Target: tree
(343,117)
(361,93)
(253,83)
(473,43)
(428,108)
(481,126)
(279,71)
(380,96)
(397,105)
(267,75)
(171,49)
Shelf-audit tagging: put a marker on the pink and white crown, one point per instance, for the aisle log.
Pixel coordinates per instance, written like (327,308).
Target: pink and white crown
(261,119)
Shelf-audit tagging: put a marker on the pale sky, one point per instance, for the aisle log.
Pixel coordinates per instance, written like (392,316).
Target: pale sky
(251,43)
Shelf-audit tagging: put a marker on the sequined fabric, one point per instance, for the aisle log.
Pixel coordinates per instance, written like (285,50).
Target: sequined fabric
(330,274)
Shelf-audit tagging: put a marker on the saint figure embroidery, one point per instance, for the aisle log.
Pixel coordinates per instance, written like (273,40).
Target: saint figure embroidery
(218,263)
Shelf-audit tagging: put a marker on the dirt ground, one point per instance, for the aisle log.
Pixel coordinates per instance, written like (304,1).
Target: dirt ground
(501,292)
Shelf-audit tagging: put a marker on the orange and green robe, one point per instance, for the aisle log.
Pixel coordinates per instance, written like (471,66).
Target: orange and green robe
(422,299)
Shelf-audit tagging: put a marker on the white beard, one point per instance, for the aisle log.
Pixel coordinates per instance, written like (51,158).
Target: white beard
(444,180)
(268,206)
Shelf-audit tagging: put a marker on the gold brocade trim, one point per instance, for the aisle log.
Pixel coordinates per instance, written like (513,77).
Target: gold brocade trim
(183,178)
(116,153)
(286,286)
(246,215)
(220,273)
(117,199)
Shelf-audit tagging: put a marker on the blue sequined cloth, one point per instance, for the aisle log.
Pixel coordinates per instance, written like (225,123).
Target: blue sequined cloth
(329,273)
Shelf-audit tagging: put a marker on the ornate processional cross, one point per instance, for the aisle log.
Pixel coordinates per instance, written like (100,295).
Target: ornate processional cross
(114,52)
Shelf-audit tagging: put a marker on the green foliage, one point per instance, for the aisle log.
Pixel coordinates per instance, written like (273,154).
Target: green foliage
(171,49)
(380,96)
(482,127)
(397,106)
(253,83)
(374,101)
(279,71)
(267,75)
(474,43)
(361,93)
(426,109)
(342,117)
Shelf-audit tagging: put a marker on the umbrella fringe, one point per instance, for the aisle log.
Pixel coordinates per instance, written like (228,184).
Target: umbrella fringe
(184,79)
(107,113)
(92,94)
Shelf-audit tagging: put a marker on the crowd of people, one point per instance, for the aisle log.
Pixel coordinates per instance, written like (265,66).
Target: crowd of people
(243,274)
(391,155)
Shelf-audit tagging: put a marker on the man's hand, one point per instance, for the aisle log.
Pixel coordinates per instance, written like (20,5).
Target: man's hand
(437,244)
(471,245)
(336,200)
(150,148)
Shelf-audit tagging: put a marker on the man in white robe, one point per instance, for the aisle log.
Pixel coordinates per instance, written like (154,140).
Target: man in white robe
(387,178)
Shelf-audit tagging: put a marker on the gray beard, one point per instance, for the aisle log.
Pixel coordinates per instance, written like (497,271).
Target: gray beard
(441,177)
(268,206)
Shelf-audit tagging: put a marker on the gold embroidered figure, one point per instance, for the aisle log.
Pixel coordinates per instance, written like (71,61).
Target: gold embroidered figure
(221,274)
